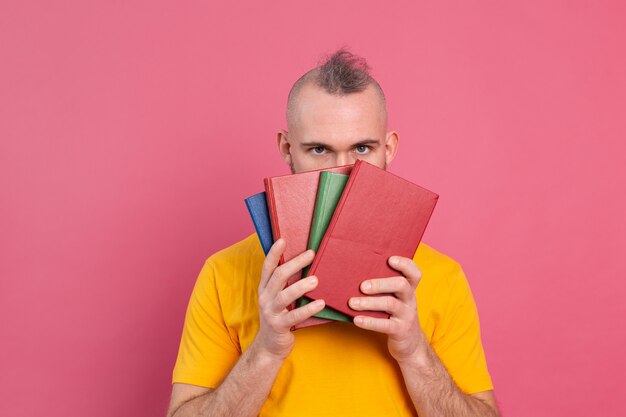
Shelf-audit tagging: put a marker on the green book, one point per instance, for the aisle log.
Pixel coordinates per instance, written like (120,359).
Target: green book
(328,193)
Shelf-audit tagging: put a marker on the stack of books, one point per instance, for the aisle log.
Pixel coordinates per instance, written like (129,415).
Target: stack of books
(354,217)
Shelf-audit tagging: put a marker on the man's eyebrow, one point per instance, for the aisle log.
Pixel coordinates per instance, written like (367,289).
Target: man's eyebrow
(366,142)
(314,144)
(325,145)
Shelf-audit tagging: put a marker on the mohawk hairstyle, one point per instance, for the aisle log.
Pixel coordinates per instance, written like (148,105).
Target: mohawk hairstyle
(343,73)
(339,74)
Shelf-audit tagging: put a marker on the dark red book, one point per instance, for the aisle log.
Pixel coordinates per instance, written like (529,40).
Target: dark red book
(379,215)
(291,203)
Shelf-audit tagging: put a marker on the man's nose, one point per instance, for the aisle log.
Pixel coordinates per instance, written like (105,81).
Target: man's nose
(344,159)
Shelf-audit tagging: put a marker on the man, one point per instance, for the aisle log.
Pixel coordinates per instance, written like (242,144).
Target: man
(238,356)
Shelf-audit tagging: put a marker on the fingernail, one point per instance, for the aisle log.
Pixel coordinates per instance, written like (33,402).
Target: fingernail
(358,320)
(355,301)
(312,281)
(394,261)
(366,285)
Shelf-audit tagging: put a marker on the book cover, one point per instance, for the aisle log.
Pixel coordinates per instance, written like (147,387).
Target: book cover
(291,203)
(257,207)
(379,215)
(328,194)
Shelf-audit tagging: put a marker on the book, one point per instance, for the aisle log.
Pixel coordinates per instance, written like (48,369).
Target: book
(329,191)
(257,207)
(291,203)
(379,215)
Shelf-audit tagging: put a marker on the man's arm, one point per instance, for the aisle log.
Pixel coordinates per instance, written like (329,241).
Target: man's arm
(242,392)
(435,394)
(245,388)
(431,389)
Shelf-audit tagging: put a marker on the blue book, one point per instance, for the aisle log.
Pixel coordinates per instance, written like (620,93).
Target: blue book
(257,206)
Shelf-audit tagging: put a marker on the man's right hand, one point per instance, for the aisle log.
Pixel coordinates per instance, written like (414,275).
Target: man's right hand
(275,320)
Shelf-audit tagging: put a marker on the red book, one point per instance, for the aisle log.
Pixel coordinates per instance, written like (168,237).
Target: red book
(291,203)
(379,215)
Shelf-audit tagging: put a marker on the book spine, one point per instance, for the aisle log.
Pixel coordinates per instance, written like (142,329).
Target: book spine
(252,215)
(271,206)
(430,215)
(322,191)
(336,215)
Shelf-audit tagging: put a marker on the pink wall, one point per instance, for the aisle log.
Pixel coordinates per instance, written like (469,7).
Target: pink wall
(130,132)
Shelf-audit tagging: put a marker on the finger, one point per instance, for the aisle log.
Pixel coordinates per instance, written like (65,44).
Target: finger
(290,294)
(298,315)
(399,286)
(408,268)
(271,261)
(388,303)
(387,326)
(279,277)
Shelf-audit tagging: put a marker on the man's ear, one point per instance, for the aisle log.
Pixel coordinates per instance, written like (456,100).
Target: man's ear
(284,147)
(391,146)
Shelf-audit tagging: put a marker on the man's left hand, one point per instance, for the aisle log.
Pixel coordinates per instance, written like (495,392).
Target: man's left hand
(406,338)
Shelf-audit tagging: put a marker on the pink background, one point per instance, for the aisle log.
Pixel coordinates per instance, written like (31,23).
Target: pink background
(130,132)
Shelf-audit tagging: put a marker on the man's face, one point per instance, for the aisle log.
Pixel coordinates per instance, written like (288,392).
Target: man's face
(327,130)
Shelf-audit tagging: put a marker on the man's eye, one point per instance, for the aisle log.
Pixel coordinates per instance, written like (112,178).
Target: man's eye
(362,149)
(318,150)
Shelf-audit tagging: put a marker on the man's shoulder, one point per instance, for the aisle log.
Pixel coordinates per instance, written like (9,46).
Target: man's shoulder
(428,257)
(246,251)
(437,266)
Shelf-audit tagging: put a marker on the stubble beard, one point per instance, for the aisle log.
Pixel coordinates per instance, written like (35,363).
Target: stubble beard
(293,171)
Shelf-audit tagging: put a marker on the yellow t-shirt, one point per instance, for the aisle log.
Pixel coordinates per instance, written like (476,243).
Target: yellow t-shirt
(336,368)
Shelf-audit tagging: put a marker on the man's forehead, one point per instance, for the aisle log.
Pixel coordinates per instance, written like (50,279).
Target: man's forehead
(315,105)
(310,93)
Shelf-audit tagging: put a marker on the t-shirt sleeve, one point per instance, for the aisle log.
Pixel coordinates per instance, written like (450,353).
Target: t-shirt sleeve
(207,350)
(457,340)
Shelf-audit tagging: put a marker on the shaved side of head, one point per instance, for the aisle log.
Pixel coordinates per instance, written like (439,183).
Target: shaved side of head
(339,74)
